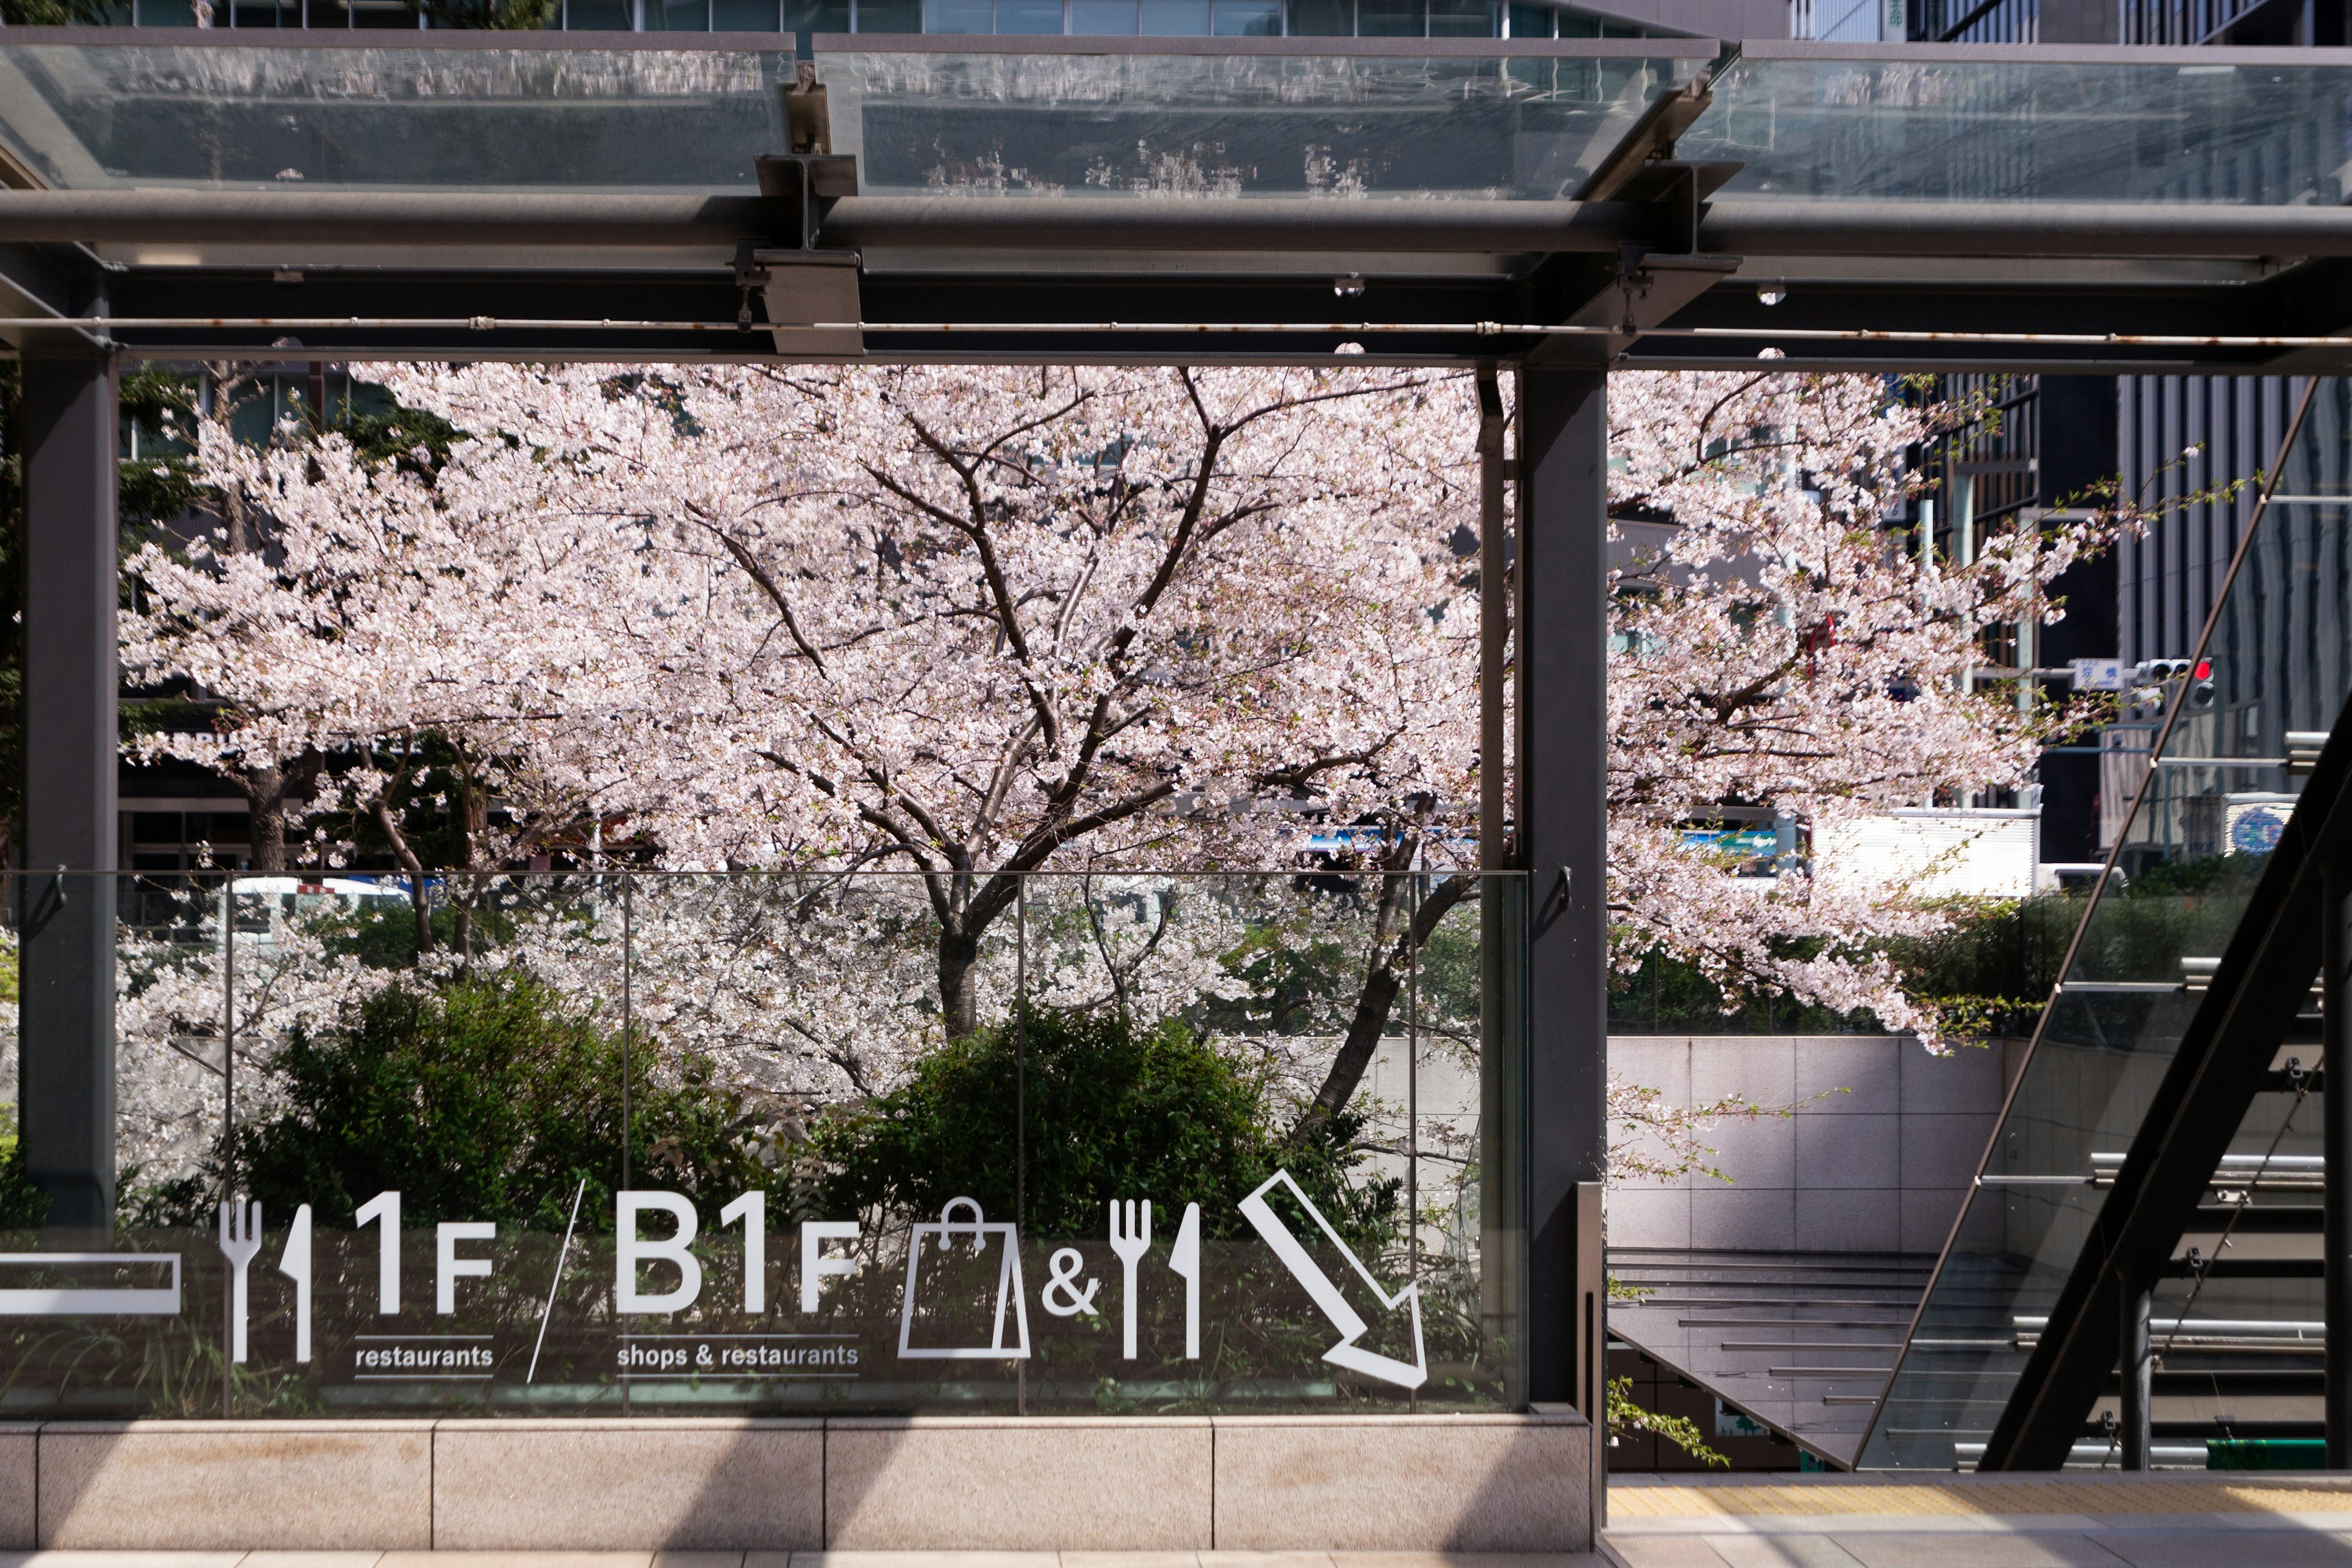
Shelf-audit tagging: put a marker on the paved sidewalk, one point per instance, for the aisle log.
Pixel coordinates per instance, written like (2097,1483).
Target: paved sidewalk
(2181,1521)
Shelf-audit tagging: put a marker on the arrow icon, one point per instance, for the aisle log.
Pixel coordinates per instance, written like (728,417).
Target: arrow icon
(1326,1295)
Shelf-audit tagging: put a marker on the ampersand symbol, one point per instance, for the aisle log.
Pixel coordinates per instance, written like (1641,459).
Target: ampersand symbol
(1061,1297)
(702,1355)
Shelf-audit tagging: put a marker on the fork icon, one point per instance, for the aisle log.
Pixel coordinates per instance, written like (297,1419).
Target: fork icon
(239,1247)
(1130,1242)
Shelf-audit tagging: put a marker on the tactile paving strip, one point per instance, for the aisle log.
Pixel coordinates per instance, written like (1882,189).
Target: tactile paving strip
(1986,1498)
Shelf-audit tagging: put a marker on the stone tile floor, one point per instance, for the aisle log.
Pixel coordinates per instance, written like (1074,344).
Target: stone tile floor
(797,1560)
(2165,1521)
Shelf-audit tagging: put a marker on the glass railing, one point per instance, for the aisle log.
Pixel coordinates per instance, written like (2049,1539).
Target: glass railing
(606,1142)
(2277,664)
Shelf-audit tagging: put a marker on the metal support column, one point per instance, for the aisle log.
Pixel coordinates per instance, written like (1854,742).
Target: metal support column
(2136,1367)
(66,1029)
(1563,642)
(1502,1121)
(2336,1115)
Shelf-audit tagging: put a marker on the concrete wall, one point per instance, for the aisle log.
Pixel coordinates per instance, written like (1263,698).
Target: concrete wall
(1876,1156)
(1461,1483)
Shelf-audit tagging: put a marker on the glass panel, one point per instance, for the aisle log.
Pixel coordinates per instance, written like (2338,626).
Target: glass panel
(1032,17)
(817,16)
(549,1144)
(1235,996)
(1175,18)
(1248,18)
(1913,126)
(1533,21)
(1322,18)
(1103,19)
(743,16)
(2279,656)
(889,17)
(150,115)
(1272,121)
(677,16)
(1389,18)
(1461,19)
(1283,122)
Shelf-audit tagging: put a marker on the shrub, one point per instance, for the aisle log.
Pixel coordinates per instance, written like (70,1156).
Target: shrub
(1113,1109)
(490,1097)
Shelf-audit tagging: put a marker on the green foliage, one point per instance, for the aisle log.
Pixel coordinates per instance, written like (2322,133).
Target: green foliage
(495,15)
(161,483)
(23,1206)
(1625,1416)
(63,13)
(490,1098)
(1989,974)
(382,431)
(1113,1109)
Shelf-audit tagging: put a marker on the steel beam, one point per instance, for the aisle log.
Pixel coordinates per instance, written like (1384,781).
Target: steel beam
(67,922)
(1992,228)
(1563,729)
(2134,1369)
(1743,226)
(2336,1111)
(390,217)
(931,223)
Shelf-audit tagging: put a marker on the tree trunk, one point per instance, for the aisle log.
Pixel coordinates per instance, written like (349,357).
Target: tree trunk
(1384,976)
(265,802)
(473,803)
(959,982)
(389,820)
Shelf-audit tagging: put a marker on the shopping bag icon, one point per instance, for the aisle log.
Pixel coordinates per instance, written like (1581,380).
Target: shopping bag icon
(955,1281)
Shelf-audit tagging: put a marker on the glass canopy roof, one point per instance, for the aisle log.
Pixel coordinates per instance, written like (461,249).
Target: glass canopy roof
(1895,122)
(1161,117)
(1486,120)
(1175,118)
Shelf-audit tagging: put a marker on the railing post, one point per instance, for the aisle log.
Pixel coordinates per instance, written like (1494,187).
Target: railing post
(66,1031)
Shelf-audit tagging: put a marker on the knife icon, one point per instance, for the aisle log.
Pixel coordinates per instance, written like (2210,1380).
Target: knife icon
(1184,1259)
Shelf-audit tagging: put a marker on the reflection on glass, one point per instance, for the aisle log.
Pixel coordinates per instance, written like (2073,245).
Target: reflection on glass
(634,1143)
(1232,125)
(1389,18)
(1921,128)
(1247,19)
(1103,19)
(147,113)
(2280,646)
(1175,18)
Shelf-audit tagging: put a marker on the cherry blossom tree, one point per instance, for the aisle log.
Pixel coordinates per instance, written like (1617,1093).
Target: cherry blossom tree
(960,625)
(1782,646)
(975,623)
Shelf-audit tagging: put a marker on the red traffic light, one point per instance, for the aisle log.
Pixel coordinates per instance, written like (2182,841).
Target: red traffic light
(2204,669)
